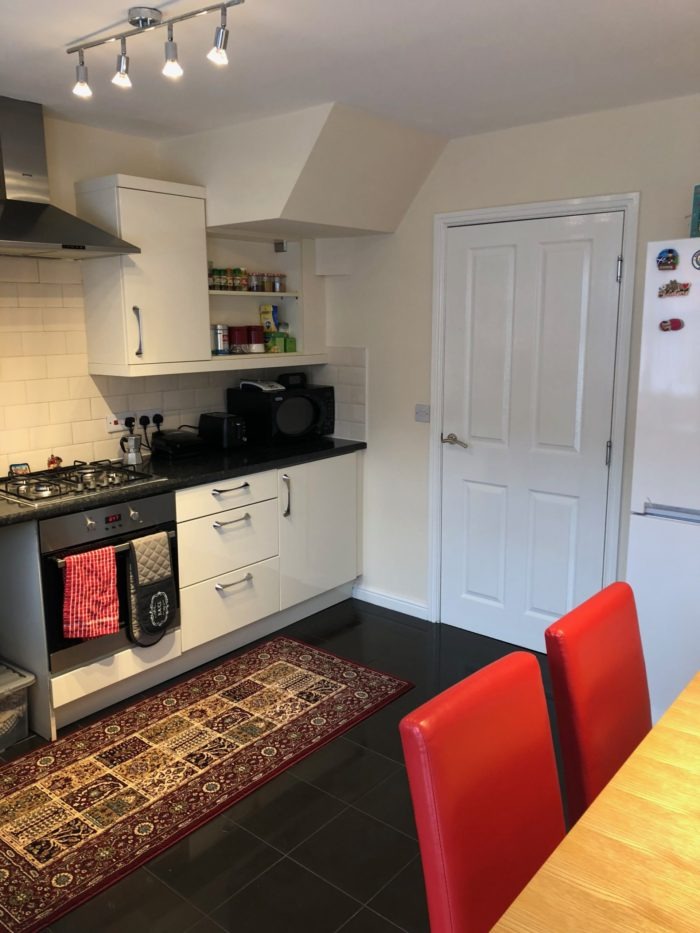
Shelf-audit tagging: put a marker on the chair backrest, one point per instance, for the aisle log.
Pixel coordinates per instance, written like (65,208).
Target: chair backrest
(483,780)
(601,696)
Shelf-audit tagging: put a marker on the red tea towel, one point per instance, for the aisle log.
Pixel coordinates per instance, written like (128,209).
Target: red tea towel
(90,600)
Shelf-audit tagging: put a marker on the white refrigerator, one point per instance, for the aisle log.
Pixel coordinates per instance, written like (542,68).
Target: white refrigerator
(663,565)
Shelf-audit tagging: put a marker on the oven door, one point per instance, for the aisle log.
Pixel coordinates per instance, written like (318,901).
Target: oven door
(68,653)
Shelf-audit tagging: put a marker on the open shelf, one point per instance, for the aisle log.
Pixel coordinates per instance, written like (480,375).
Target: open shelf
(240,294)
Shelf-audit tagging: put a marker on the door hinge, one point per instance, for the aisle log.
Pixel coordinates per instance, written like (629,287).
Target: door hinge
(608,453)
(619,269)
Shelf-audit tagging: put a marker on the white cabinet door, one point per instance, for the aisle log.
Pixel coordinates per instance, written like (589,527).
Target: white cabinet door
(167,281)
(227,602)
(318,527)
(220,543)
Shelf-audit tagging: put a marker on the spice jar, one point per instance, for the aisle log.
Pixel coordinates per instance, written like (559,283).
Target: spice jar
(279,282)
(253,282)
(266,279)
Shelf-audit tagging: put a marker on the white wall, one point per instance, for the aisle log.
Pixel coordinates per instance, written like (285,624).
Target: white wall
(386,304)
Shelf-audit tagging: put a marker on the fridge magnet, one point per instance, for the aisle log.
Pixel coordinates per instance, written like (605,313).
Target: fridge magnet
(667,259)
(673,323)
(696,260)
(674,289)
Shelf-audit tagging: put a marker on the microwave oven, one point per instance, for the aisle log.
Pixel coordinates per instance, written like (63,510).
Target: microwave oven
(273,417)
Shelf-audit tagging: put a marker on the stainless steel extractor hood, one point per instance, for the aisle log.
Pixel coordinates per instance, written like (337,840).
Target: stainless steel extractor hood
(29,224)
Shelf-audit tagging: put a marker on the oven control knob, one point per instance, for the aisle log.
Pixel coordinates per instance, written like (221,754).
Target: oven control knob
(134,515)
(90,523)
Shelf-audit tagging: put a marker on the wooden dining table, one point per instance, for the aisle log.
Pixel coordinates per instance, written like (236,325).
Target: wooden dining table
(632,862)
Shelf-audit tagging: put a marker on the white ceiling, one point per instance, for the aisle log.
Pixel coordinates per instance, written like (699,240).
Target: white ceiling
(453,67)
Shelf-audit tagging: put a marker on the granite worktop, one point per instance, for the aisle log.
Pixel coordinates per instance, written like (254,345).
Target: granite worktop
(170,475)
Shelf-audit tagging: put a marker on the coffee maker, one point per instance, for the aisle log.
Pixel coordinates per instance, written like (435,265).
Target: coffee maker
(131,447)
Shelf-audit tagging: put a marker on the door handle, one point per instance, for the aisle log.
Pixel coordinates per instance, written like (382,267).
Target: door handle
(233,521)
(452,439)
(288,483)
(137,312)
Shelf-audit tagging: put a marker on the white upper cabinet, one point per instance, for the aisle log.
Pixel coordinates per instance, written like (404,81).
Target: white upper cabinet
(150,308)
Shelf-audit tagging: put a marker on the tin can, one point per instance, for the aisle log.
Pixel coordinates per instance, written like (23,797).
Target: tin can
(219,339)
(238,339)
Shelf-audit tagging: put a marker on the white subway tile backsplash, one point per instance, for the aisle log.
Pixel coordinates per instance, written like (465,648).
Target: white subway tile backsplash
(351,394)
(211,399)
(354,413)
(16,269)
(145,401)
(107,449)
(72,296)
(76,452)
(15,393)
(82,387)
(8,295)
(39,296)
(76,341)
(55,436)
(350,431)
(27,416)
(11,344)
(11,441)
(63,319)
(60,272)
(14,368)
(178,399)
(35,344)
(47,390)
(351,375)
(72,364)
(75,409)
(20,320)
(89,431)
(101,407)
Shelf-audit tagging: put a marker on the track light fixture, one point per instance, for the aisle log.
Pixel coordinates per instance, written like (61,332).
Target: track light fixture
(146,19)
(172,67)
(82,88)
(121,77)
(217,53)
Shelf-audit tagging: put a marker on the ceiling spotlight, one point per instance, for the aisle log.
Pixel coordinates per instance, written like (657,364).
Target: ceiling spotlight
(218,55)
(172,67)
(82,88)
(121,77)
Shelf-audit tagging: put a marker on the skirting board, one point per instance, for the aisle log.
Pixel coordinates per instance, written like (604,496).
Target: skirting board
(417,610)
(94,702)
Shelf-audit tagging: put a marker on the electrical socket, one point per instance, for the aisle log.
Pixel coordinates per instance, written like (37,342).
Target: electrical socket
(115,422)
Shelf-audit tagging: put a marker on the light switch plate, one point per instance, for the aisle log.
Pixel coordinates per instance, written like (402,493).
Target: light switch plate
(423,413)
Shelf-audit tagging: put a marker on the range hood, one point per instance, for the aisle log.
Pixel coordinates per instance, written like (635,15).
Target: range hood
(29,224)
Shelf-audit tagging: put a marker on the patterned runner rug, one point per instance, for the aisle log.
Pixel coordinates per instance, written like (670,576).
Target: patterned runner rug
(77,815)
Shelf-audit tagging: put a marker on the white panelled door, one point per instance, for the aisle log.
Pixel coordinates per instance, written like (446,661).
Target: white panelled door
(530,334)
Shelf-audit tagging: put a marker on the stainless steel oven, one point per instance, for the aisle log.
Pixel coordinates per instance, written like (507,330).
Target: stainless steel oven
(86,529)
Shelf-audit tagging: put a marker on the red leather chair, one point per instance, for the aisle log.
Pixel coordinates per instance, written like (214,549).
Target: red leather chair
(485,794)
(601,696)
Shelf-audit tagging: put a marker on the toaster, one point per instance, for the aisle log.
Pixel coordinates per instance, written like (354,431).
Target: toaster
(222,430)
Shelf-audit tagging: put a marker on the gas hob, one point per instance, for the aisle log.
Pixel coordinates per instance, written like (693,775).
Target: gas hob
(72,482)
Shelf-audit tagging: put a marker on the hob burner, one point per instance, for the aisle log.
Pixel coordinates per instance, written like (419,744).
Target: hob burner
(74,481)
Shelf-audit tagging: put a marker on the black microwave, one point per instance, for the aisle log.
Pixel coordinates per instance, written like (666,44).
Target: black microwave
(273,417)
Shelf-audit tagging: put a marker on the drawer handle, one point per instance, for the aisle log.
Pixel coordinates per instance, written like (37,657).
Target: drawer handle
(220,587)
(233,521)
(220,492)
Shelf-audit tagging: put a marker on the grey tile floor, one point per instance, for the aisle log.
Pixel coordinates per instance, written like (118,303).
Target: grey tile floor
(330,844)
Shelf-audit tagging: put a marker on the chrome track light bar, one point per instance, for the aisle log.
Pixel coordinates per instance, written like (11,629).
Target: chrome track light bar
(145,19)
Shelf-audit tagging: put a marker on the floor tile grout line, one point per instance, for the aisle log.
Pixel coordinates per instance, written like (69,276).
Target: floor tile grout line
(350,919)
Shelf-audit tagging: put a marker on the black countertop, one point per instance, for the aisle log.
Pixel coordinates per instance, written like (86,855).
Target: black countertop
(179,474)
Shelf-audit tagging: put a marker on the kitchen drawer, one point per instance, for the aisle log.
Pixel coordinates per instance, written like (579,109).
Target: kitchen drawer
(227,602)
(226,494)
(222,542)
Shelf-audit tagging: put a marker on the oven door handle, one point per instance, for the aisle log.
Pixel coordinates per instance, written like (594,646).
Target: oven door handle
(118,549)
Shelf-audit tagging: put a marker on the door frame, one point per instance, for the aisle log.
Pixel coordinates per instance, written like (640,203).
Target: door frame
(629,205)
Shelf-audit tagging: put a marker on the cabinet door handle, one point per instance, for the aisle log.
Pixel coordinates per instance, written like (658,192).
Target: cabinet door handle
(233,521)
(221,587)
(220,492)
(137,312)
(288,483)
